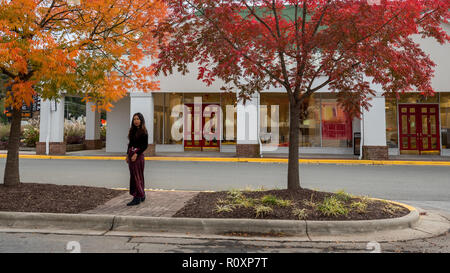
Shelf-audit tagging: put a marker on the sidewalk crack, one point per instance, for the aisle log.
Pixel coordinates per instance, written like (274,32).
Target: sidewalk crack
(307,233)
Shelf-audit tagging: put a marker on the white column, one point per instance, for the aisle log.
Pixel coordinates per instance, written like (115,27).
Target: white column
(141,102)
(92,123)
(92,134)
(374,122)
(247,121)
(118,126)
(51,126)
(373,130)
(247,144)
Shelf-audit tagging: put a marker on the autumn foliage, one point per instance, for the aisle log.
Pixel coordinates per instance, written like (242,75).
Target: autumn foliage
(91,48)
(304,46)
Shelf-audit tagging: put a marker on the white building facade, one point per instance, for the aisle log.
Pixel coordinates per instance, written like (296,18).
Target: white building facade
(186,115)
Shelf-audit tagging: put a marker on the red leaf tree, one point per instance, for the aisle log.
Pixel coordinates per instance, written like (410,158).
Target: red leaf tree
(304,46)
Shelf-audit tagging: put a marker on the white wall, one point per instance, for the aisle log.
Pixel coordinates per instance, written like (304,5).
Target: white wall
(118,120)
(440,54)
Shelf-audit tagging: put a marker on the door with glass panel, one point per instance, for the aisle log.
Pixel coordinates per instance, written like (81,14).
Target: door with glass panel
(419,128)
(202,127)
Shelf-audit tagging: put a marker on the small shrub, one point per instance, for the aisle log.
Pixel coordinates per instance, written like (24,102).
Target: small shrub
(360,207)
(341,195)
(331,206)
(246,202)
(301,214)
(235,194)
(310,204)
(274,201)
(223,208)
(262,210)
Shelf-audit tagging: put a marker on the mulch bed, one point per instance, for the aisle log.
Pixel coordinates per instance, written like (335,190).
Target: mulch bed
(204,205)
(33,197)
(49,198)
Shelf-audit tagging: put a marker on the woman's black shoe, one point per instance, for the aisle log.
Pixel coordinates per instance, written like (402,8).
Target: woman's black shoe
(143,199)
(134,202)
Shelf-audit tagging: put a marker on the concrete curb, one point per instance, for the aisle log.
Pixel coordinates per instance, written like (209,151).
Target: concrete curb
(29,220)
(111,223)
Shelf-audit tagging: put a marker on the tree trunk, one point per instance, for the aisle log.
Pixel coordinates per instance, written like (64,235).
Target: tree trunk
(293,170)
(12,176)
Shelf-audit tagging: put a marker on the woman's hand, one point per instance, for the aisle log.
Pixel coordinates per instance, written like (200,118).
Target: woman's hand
(133,158)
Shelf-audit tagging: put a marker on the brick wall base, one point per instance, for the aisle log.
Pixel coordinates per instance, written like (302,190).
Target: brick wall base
(55,148)
(375,152)
(93,144)
(247,150)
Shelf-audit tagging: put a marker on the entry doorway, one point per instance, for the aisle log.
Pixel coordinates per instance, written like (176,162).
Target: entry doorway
(202,127)
(419,128)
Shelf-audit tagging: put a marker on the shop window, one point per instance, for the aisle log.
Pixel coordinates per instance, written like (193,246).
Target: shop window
(158,118)
(417,98)
(310,123)
(282,101)
(170,101)
(445,119)
(391,123)
(228,103)
(336,123)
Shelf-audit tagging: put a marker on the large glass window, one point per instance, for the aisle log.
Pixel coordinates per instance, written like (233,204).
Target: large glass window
(170,101)
(391,123)
(417,98)
(445,119)
(310,124)
(228,103)
(336,123)
(268,101)
(158,118)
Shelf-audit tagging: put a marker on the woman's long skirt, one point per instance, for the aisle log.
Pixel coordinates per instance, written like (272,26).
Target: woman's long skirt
(136,175)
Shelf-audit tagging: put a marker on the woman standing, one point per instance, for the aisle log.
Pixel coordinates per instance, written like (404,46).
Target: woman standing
(138,142)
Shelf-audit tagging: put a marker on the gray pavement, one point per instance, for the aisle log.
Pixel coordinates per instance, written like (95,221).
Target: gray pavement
(57,243)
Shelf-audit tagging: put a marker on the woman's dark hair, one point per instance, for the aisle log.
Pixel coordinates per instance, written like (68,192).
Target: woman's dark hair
(136,132)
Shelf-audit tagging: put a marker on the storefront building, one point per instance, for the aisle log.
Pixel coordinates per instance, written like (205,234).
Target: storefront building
(186,115)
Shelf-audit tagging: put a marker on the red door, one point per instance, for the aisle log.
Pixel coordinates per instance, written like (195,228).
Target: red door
(202,127)
(419,128)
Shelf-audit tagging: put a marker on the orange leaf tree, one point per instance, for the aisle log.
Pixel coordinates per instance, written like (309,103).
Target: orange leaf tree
(304,46)
(91,48)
